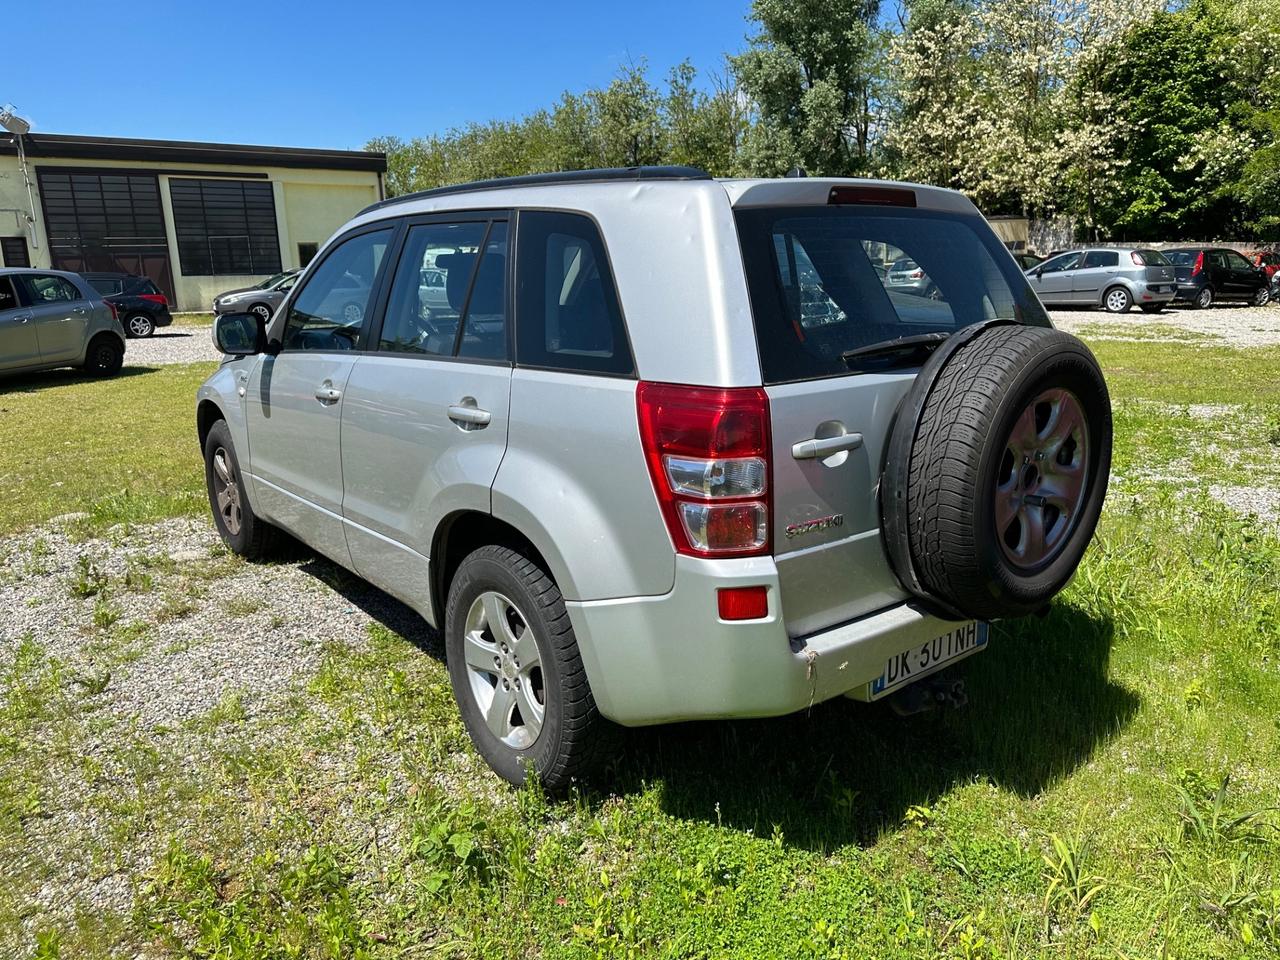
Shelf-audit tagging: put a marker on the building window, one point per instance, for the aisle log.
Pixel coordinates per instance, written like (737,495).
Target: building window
(306,253)
(13,252)
(225,227)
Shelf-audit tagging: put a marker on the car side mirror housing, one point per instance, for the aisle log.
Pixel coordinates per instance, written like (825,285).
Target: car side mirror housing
(240,334)
(1039,272)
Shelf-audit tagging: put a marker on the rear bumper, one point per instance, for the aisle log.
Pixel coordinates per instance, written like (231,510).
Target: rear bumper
(670,657)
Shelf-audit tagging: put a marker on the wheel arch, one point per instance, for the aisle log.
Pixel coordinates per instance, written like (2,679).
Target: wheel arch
(456,536)
(207,414)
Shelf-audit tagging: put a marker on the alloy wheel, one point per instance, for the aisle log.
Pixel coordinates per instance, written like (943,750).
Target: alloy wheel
(226,491)
(1040,487)
(1117,300)
(504,670)
(139,325)
(1262,297)
(1204,298)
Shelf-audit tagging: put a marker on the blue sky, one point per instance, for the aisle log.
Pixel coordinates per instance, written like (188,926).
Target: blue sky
(334,74)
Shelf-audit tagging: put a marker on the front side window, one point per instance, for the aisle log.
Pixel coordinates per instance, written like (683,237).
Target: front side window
(328,312)
(1237,262)
(48,289)
(817,295)
(424,316)
(8,299)
(567,306)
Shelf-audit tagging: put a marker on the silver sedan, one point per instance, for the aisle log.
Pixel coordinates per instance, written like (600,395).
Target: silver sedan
(261,300)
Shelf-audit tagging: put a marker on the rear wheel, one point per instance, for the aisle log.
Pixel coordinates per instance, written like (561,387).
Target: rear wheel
(1117,300)
(1203,300)
(104,356)
(516,672)
(139,325)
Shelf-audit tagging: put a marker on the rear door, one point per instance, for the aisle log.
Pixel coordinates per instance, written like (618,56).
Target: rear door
(831,415)
(18,344)
(295,398)
(424,421)
(1052,280)
(1096,270)
(1245,277)
(60,313)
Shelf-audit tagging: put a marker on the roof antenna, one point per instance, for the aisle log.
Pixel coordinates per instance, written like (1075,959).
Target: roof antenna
(796,172)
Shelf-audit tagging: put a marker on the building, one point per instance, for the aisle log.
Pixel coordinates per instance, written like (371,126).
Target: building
(197,218)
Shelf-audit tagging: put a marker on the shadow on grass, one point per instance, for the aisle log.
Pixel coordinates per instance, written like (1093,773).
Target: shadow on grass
(25,382)
(1040,703)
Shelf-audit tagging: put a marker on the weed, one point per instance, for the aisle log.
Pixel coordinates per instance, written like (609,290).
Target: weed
(88,580)
(242,606)
(137,579)
(105,613)
(1204,818)
(174,608)
(1072,888)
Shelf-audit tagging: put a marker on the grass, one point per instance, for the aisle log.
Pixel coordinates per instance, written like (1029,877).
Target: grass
(1107,793)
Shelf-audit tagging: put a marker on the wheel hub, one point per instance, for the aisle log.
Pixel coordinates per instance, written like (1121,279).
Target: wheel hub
(504,670)
(1040,484)
(226,491)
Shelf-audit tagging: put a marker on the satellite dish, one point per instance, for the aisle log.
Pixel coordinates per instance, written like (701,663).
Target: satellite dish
(12,122)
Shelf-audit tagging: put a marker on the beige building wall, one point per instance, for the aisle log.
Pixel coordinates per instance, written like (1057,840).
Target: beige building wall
(310,206)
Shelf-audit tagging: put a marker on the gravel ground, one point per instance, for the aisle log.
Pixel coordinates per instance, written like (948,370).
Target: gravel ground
(1235,326)
(175,344)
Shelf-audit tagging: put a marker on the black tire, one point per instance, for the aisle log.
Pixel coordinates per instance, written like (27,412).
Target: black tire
(940,512)
(252,537)
(1203,299)
(574,738)
(139,325)
(1117,300)
(261,310)
(1261,297)
(104,356)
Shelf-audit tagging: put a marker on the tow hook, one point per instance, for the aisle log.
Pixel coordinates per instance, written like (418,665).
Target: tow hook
(931,693)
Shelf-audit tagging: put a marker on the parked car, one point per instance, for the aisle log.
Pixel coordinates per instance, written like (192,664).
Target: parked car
(138,302)
(906,276)
(1269,262)
(1206,274)
(49,318)
(1114,279)
(432,295)
(659,501)
(261,299)
(1028,260)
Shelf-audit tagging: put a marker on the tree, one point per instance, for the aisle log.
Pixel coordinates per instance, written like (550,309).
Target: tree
(814,76)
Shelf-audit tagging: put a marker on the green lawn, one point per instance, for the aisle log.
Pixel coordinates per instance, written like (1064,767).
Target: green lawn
(1105,794)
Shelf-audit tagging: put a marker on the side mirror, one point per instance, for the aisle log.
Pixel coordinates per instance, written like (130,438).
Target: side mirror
(1039,272)
(239,334)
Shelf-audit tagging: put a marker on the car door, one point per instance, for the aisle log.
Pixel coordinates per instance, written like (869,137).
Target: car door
(295,397)
(19,347)
(1094,273)
(1220,274)
(1052,280)
(1245,277)
(424,419)
(60,313)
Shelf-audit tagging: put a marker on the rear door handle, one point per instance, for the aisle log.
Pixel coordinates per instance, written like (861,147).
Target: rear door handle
(815,448)
(328,393)
(23,318)
(468,414)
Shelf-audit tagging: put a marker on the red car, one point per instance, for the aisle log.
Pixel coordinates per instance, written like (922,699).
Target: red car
(1270,262)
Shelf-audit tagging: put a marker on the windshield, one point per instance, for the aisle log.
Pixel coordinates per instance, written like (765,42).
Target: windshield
(1154,258)
(271,281)
(820,288)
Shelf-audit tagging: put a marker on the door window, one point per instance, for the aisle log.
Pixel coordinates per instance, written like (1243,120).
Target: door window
(1101,258)
(40,288)
(1217,258)
(1067,261)
(429,293)
(328,312)
(569,318)
(8,299)
(484,328)
(1237,262)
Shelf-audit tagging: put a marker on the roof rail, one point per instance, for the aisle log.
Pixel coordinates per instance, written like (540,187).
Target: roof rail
(603,175)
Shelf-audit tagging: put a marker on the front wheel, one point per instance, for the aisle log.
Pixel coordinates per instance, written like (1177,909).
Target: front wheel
(241,530)
(104,356)
(517,674)
(1117,300)
(1262,297)
(139,325)
(261,311)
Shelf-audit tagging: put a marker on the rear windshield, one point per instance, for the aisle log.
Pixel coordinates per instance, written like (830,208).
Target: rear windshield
(1154,258)
(826,280)
(1183,258)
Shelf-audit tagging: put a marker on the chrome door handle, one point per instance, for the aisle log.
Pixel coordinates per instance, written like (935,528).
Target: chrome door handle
(815,448)
(468,414)
(328,393)
(78,310)
(23,318)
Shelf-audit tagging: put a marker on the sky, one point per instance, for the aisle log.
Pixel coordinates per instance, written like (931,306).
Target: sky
(334,74)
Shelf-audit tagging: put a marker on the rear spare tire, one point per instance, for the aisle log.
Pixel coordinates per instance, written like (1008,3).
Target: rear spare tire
(996,471)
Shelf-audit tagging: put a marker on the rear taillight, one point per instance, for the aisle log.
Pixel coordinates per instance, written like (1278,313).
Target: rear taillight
(1138,258)
(916,275)
(1199,262)
(708,455)
(742,603)
(115,314)
(154,298)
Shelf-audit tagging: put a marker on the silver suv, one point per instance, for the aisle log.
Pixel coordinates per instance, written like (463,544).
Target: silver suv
(632,470)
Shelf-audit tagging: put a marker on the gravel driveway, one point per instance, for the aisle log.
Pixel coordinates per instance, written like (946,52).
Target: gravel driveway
(175,344)
(1231,325)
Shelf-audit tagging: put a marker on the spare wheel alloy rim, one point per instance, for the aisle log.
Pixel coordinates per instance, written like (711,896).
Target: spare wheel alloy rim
(1041,480)
(504,670)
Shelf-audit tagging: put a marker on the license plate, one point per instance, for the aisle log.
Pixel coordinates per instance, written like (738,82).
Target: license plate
(926,658)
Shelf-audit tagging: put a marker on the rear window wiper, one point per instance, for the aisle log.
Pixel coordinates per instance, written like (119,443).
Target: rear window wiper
(906,347)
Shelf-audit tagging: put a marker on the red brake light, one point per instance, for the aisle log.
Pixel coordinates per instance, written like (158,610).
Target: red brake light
(115,313)
(916,275)
(743,603)
(708,455)
(1199,262)
(155,298)
(1138,258)
(874,196)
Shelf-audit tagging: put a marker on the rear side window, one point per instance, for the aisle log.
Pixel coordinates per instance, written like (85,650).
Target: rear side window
(8,300)
(827,280)
(568,316)
(1101,258)
(423,317)
(1153,258)
(105,286)
(48,289)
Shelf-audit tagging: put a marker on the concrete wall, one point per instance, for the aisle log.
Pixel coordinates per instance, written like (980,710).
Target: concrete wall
(310,206)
